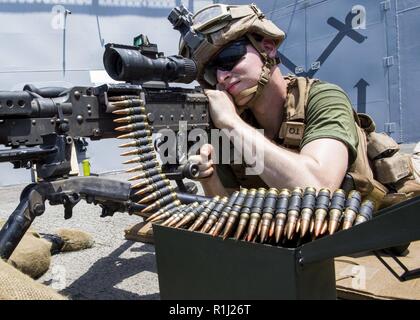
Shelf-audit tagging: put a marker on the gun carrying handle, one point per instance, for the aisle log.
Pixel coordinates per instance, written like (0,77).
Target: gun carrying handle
(48,92)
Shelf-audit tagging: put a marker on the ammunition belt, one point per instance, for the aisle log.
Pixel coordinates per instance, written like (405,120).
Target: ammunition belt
(151,184)
(271,216)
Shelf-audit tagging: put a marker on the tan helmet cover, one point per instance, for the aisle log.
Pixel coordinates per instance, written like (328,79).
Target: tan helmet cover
(245,19)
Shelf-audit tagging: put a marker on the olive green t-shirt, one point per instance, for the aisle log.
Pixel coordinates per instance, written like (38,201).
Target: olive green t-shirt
(329,114)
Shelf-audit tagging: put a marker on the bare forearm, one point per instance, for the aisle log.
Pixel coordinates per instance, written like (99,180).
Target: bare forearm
(279,167)
(288,169)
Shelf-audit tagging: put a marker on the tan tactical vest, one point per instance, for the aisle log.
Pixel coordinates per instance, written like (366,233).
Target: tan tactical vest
(378,161)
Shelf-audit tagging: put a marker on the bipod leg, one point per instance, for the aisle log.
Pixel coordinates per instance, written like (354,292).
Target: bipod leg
(32,204)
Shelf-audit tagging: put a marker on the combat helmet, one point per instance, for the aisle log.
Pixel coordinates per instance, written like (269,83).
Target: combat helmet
(217,25)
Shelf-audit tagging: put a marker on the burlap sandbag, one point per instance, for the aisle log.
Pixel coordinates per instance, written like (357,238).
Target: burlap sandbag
(32,256)
(365,277)
(74,239)
(14,285)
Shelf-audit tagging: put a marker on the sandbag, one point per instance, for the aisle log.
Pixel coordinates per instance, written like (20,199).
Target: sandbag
(74,240)
(14,285)
(32,256)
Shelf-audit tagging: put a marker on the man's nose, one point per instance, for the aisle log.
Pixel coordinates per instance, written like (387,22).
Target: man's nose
(222,75)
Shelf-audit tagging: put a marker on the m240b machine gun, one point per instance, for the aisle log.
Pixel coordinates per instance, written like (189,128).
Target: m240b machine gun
(40,127)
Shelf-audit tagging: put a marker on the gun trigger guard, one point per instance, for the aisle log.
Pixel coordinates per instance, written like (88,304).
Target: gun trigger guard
(69,201)
(108,209)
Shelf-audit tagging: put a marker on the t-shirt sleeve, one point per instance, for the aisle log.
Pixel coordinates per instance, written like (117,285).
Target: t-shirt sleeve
(329,114)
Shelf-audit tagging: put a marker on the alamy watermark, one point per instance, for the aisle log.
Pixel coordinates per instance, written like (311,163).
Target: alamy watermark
(230,146)
(357,273)
(358,280)
(359,20)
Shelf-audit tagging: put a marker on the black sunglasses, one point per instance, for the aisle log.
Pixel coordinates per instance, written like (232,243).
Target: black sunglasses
(229,56)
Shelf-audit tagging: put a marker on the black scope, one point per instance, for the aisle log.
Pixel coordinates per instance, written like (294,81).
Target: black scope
(128,63)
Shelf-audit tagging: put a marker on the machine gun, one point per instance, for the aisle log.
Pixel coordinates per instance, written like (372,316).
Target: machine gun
(40,128)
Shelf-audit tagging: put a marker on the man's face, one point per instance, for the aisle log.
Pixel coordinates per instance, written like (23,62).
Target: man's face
(244,74)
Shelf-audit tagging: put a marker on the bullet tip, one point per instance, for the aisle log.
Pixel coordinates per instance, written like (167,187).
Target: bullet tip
(144,200)
(304,226)
(278,233)
(148,209)
(124,136)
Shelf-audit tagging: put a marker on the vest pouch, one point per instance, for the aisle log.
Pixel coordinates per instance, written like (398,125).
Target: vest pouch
(380,145)
(409,186)
(393,198)
(392,169)
(362,165)
(291,132)
(365,122)
(405,189)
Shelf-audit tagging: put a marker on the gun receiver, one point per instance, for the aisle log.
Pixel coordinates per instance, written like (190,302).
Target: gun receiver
(26,117)
(37,128)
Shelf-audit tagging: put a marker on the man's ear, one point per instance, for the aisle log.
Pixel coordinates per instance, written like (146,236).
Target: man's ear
(269,47)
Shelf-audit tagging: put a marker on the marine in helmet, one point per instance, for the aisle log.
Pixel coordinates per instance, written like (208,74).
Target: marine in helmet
(309,135)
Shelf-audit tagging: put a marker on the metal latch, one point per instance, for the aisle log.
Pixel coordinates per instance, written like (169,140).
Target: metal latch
(388,61)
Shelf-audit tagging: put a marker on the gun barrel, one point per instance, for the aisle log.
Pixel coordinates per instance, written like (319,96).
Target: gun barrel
(26,154)
(15,103)
(21,104)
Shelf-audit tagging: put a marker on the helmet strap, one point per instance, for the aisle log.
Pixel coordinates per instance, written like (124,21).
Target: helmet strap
(257,90)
